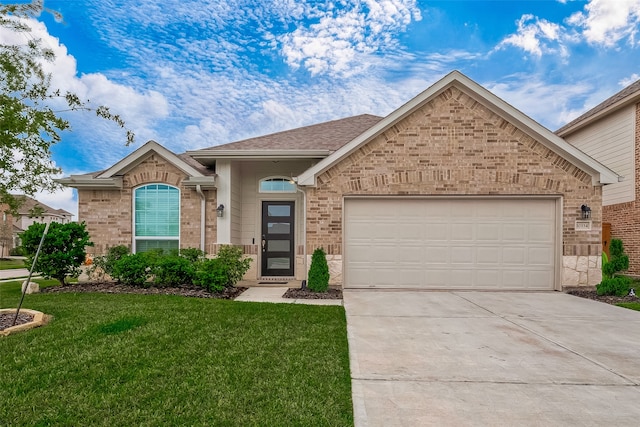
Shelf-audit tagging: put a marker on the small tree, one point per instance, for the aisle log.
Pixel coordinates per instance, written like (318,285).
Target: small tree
(319,272)
(63,249)
(619,261)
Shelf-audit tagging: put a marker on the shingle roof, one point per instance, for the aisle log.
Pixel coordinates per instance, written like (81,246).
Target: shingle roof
(629,91)
(28,203)
(323,136)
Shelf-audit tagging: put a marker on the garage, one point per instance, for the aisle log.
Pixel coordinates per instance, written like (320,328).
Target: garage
(477,243)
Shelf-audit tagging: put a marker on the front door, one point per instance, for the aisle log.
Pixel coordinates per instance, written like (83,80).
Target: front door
(278,256)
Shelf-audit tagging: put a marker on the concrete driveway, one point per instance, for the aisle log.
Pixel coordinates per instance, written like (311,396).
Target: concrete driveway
(491,359)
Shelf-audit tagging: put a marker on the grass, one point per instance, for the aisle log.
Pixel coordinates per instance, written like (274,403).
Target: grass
(11,263)
(630,305)
(122,360)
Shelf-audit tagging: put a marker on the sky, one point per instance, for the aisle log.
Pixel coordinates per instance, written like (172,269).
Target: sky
(191,74)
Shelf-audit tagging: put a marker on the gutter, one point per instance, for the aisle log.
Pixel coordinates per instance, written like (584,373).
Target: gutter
(203,216)
(304,229)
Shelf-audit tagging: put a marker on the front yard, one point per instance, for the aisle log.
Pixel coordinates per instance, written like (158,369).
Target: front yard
(122,360)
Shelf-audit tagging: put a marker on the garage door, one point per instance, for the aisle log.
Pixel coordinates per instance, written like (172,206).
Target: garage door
(501,243)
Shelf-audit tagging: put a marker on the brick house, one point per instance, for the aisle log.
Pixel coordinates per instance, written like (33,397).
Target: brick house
(454,190)
(610,133)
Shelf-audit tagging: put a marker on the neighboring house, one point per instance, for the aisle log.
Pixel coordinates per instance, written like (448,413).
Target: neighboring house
(454,190)
(610,133)
(30,211)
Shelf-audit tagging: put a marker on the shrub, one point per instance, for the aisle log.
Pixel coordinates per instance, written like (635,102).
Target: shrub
(619,261)
(174,271)
(17,251)
(134,269)
(212,274)
(618,286)
(237,266)
(192,254)
(104,264)
(63,249)
(319,272)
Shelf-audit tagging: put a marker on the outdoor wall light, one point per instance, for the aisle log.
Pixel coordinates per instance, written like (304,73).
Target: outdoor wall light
(585,211)
(220,211)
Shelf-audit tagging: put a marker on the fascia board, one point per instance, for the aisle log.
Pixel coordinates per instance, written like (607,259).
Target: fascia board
(132,160)
(87,182)
(206,182)
(257,154)
(624,102)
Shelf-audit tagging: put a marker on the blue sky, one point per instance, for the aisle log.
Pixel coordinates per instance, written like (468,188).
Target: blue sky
(192,74)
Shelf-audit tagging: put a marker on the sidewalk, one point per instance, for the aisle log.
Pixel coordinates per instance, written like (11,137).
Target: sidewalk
(274,294)
(15,274)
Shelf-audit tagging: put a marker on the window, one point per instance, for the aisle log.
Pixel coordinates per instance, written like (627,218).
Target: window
(277,185)
(156,217)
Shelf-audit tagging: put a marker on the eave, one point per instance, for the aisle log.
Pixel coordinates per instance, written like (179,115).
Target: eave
(90,183)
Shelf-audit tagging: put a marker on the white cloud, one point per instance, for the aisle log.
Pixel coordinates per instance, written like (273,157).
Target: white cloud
(629,80)
(607,22)
(537,36)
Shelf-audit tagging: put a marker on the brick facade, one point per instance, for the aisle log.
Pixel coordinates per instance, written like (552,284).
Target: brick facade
(625,217)
(108,213)
(454,145)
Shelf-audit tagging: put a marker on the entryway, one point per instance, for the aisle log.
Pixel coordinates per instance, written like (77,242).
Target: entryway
(278,239)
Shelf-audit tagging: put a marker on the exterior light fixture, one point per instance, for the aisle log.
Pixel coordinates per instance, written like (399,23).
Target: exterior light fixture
(585,212)
(220,211)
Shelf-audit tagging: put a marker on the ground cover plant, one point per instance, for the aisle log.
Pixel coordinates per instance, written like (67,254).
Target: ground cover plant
(123,360)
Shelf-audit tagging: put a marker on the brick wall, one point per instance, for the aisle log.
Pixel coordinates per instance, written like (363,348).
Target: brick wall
(625,217)
(453,146)
(108,213)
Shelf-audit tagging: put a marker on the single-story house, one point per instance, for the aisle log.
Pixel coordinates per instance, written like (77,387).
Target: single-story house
(456,189)
(610,133)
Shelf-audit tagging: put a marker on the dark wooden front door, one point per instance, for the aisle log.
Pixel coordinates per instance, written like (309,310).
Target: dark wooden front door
(278,256)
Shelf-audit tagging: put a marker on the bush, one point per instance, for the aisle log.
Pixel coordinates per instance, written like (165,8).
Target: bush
(104,264)
(134,269)
(212,274)
(618,286)
(619,261)
(18,251)
(192,254)
(63,249)
(174,271)
(237,266)
(318,272)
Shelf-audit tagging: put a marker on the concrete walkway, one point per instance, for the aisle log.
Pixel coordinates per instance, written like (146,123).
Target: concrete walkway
(492,359)
(16,273)
(274,294)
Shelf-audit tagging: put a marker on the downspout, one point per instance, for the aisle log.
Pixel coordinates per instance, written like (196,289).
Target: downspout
(203,216)
(304,227)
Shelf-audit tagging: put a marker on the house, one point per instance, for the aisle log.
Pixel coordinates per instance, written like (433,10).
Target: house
(30,211)
(610,133)
(454,190)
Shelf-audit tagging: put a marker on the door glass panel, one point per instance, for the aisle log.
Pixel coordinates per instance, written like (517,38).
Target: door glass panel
(278,263)
(279,210)
(279,227)
(278,245)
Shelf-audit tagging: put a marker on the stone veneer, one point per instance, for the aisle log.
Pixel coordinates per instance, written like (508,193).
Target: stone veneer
(454,145)
(625,217)
(108,213)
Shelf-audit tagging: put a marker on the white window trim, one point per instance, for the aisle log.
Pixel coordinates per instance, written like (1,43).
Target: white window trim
(133,216)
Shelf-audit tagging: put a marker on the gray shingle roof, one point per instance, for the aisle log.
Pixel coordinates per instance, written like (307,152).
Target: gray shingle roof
(323,136)
(632,89)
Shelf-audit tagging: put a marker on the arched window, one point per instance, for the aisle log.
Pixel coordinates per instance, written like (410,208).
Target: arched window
(156,217)
(277,185)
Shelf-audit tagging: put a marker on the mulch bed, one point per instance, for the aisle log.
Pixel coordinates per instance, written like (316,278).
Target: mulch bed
(6,320)
(298,293)
(591,293)
(114,288)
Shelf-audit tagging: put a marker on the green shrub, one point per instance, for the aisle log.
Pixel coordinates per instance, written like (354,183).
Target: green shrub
(174,271)
(619,261)
(134,269)
(318,272)
(104,264)
(618,286)
(237,266)
(63,249)
(212,274)
(192,254)
(17,251)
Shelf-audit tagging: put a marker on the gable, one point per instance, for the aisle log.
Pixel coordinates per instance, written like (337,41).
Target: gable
(470,95)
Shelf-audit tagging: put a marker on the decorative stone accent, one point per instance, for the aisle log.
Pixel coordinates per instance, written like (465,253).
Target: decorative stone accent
(39,319)
(32,287)
(581,270)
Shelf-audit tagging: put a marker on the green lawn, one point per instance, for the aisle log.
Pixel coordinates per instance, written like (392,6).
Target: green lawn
(631,305)
(123,360)
(10,263)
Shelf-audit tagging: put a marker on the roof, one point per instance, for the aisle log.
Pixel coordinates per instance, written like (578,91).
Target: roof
(600,173)
(628,95)
(317,141)
(28,204)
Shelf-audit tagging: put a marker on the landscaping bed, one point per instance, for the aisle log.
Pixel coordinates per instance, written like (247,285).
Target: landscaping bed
(297,293)
(591,293)
(6,320)
(116,288)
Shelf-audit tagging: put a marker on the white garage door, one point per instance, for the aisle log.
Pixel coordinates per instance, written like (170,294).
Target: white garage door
(501,243)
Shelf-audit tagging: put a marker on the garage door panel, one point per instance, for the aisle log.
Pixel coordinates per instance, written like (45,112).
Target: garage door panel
(450,243)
